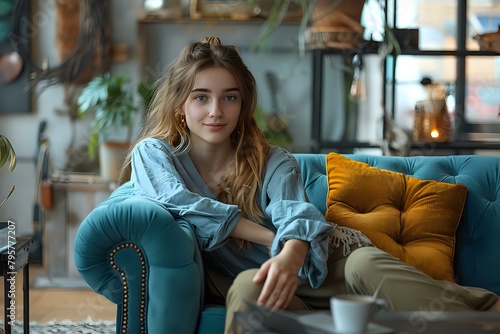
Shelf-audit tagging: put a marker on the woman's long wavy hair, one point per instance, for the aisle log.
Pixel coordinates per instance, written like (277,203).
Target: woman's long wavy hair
(241,183)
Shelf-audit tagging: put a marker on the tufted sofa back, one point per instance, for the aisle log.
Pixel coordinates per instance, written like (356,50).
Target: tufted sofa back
(477,250)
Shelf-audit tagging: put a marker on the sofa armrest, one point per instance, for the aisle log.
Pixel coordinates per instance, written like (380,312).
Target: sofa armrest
(132,251)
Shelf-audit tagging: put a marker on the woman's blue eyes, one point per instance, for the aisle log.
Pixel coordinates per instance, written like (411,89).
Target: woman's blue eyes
(202,98)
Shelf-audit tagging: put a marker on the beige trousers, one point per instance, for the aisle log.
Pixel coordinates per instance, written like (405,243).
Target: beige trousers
(404,288)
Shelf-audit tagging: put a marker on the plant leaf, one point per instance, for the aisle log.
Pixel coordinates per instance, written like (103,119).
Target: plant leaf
(7,153)
(3,152)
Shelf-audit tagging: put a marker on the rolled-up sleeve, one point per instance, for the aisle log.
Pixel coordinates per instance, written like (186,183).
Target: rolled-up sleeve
(294,217)
(154,176)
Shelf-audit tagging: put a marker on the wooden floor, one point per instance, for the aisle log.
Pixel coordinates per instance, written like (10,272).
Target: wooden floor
(48,304)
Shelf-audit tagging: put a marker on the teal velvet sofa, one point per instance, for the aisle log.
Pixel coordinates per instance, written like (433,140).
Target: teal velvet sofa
(133,252)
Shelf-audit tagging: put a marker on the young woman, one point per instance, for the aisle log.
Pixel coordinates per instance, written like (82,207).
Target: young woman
(202,156)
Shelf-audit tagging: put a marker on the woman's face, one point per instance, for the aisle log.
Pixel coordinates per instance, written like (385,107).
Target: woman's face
(213,107)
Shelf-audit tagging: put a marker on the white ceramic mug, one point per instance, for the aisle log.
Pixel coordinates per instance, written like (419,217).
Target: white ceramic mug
(351,313)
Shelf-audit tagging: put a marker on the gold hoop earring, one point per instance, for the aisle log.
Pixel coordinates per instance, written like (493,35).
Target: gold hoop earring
(183,122)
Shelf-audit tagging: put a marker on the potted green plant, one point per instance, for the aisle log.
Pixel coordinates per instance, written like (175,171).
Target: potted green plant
(110,99)
(7,154)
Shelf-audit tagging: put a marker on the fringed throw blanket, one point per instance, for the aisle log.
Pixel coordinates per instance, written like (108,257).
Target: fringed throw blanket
(348,237)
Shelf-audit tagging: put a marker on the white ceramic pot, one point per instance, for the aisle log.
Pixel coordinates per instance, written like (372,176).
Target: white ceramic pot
(111,158)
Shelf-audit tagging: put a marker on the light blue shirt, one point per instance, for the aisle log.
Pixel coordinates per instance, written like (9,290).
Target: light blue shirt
(174,182)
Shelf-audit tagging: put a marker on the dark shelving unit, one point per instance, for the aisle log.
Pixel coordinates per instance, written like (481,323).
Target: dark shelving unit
(318,143)
(462,143)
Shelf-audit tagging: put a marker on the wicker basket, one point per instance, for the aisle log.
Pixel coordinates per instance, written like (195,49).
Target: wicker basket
(333,38)
(432,122)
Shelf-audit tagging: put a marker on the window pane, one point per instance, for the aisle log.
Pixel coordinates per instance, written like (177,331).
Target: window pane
(483,17)
(437,23)
(482,101)
(409,74)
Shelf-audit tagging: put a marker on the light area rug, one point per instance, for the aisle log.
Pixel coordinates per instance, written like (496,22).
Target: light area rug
(66,327)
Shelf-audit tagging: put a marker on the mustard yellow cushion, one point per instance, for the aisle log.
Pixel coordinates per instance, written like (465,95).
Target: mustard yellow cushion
(414,220)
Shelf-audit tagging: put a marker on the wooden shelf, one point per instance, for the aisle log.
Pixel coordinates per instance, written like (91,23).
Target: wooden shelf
(145,18)
(371,47)
(451,53)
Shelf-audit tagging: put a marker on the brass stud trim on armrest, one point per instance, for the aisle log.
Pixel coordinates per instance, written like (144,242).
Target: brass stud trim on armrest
(142,316)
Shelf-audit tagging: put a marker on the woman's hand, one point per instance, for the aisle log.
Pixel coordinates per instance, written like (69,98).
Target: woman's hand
(279,275)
